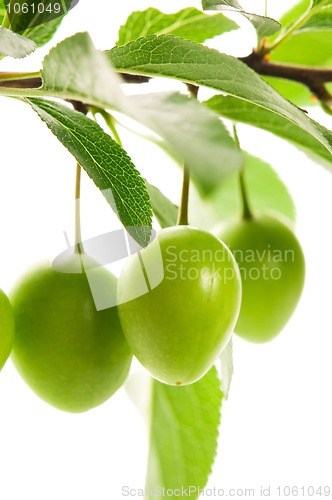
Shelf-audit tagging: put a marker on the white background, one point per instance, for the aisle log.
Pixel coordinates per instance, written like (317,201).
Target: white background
(276,426)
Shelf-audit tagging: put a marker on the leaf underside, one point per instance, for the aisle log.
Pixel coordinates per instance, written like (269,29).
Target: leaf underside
(106,163)
(184,433)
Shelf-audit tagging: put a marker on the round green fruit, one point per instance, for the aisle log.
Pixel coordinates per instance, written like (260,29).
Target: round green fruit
(72,355)
(6,328)
(178,303)
(272,269)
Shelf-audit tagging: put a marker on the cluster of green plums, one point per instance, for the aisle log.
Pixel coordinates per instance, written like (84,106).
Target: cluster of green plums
(247,278)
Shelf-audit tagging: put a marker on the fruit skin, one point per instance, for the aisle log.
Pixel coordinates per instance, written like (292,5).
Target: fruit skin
(6,328)
(179,328)
(73,356)
(267,304)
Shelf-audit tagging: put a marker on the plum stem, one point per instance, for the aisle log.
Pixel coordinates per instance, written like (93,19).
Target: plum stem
(78,233)
(183,210)
(246,210)
(82,108)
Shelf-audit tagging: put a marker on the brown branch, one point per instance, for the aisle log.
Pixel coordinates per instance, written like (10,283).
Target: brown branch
(26,83)
(192,89)
(313,78)
(134,78)
(35,83)
(79,106)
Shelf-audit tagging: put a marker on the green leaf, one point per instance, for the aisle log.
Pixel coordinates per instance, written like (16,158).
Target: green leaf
(246,112)
(106,163)
(265,190)
(184,433)
(321,3)
(308,48)
(193,63)
(302,11)
(43,33)
(310,15)
(181,121)
(36,19)
(303,47)
(295,13)
(295,92)
(2,10)
(14,45)
(165,211)
(77,70)
(23,15)
(264,26)
(209,4)
(227,368)
(189,23)
(322,20)
(292,16)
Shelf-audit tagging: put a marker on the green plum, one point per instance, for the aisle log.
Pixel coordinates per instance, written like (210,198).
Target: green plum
(6,328)
(272,269)
(178,303)
(72,355)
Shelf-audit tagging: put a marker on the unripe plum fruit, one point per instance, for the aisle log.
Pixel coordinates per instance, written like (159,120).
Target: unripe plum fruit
(272,269)
(180,326)
(72,355)
(6,328)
